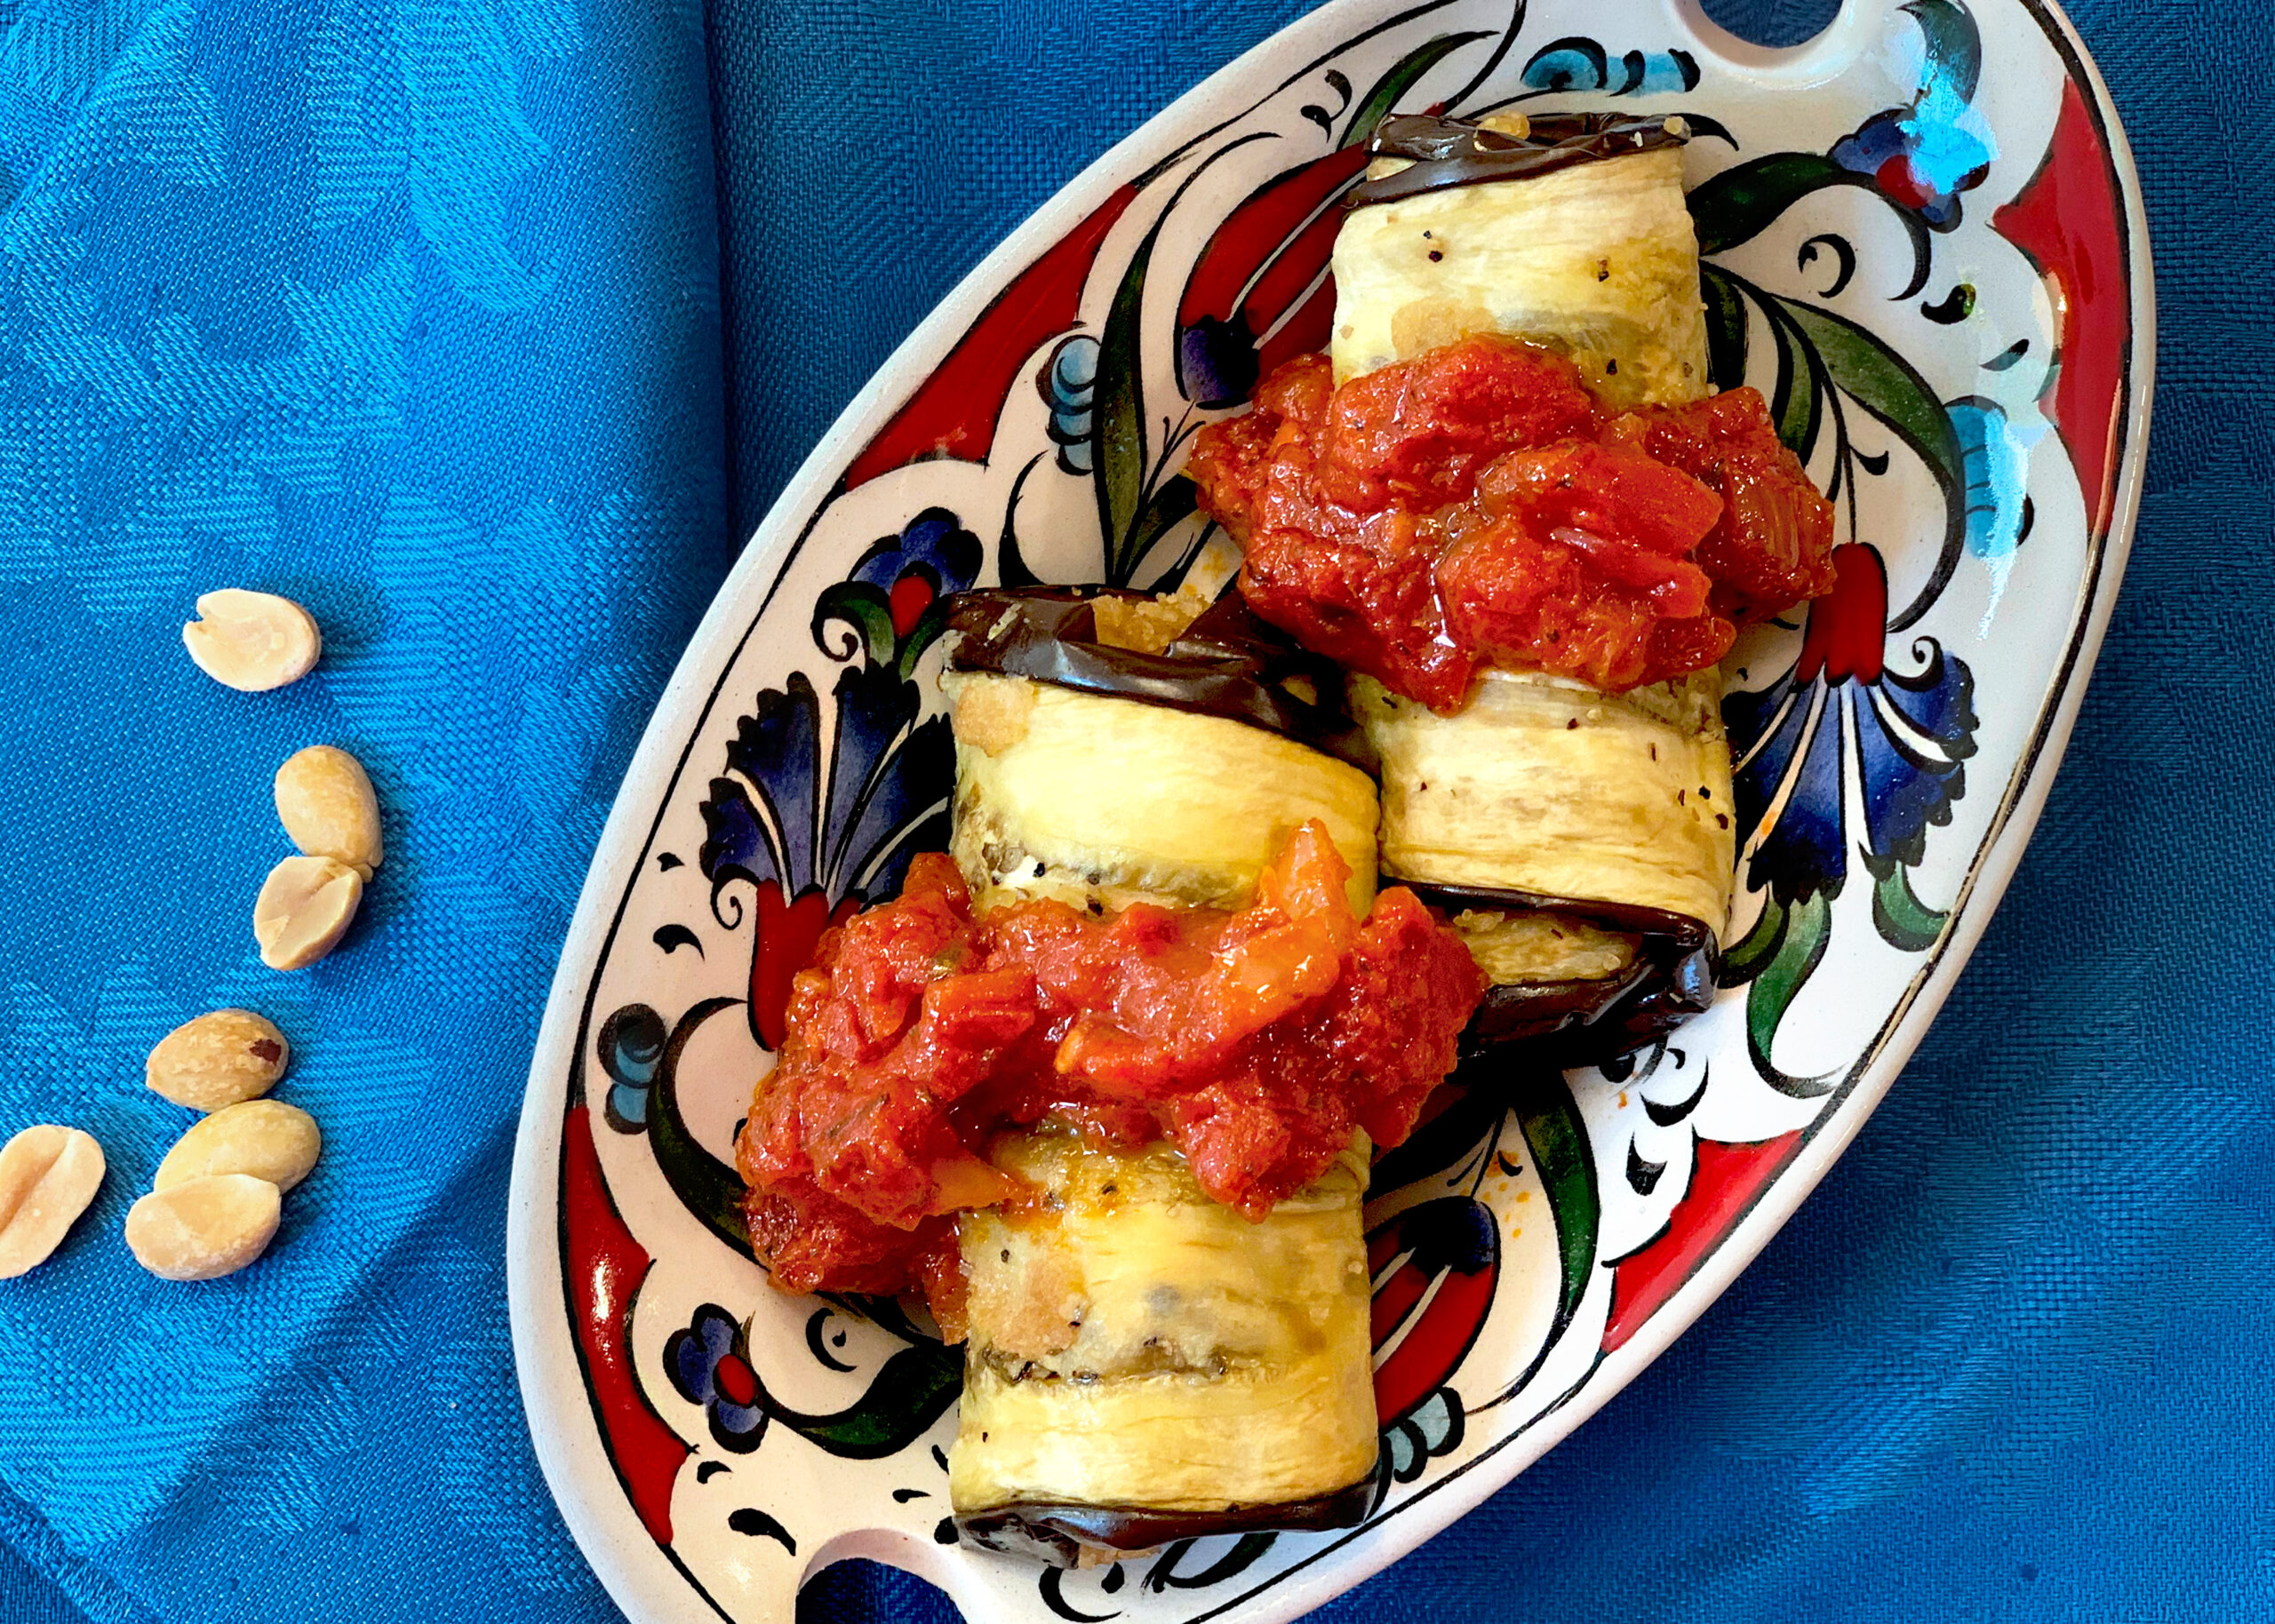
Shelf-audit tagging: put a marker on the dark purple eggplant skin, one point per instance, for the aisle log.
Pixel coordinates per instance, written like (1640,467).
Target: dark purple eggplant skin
(1057,1532)
(1228,662)
(1448,151)
(1584,1022)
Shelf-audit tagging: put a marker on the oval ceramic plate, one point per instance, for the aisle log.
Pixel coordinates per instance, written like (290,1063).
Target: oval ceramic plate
(1924,241)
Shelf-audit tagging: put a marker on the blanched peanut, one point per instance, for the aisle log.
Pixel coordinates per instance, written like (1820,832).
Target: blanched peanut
(324,800)
(48,1174)
(305,907)
(252,641)
(203,1229)
(217,1060)
(265,1138)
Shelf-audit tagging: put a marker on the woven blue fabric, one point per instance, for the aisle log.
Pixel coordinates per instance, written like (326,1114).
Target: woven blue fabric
(430,314)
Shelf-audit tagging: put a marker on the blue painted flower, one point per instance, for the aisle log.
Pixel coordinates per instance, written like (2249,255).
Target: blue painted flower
(630,1048)
(709,1365)
(1068,385)
(822,805)
(932,556)
(1921,157)
(1909,736)
(1216,361)
(1840,710)
(1434,1428)
(1918,161)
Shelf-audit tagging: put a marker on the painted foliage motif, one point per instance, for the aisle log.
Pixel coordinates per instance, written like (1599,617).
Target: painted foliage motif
(1535,1223)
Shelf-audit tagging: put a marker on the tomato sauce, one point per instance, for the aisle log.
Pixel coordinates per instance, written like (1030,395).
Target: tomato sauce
(1473,506)
(1256,1041)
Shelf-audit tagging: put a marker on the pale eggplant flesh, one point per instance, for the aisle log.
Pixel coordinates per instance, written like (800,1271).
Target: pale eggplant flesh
(1102,776)
(1570,232)
(1583,842)
(1145,1364)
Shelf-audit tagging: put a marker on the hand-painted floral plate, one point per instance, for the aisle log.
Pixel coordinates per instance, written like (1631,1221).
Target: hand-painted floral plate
(1924,242)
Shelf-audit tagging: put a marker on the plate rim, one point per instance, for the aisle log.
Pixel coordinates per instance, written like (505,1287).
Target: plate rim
(548,1364)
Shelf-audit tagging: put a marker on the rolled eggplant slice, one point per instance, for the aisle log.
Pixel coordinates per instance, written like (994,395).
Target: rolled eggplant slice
(1567,231)
(1168,788)
(1581,842)
(1145,1364)
(1545,786)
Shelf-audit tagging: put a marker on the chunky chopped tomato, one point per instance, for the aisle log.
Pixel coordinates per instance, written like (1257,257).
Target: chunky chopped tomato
(1470,507)
(1256,1041)
(1772,546)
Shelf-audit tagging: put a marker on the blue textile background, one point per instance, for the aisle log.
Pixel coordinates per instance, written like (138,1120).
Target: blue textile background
(417,311)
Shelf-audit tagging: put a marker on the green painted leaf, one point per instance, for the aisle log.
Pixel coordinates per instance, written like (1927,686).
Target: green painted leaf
(1884,384)
(1904,922)
(1401,78)
(706,1186)
(1173,502)
(1726,329)
(1118,416)
(1551,1127)
(921,636)
(1737,205)
(864,608)
(914,1389)
(1740,964)
(1809,928)
(1795,407)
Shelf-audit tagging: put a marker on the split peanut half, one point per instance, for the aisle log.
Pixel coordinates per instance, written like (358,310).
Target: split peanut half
(252,641)
(204,1228)
(305,906)
(48,1174)
(266,1138)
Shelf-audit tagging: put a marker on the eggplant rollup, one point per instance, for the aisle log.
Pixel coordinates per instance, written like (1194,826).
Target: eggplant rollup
(1101,773)
(1145,1365)
(1569,231)
(1546,786)
(1581,842)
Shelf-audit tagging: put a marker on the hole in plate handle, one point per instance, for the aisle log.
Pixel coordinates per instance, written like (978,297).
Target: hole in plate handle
(1774,25)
